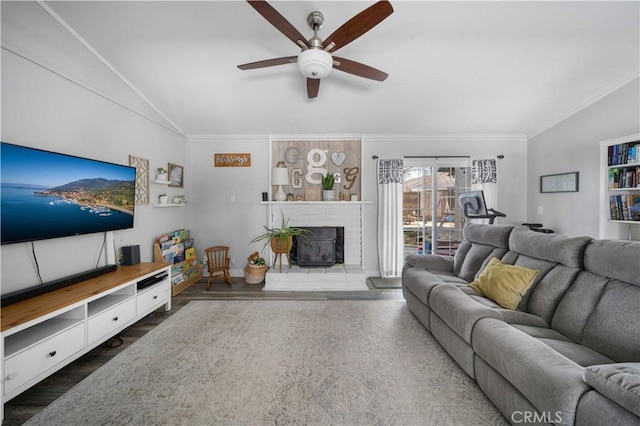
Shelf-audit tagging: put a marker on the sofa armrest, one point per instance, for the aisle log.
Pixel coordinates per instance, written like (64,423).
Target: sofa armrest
(619,382)
(431,262)
(459,311)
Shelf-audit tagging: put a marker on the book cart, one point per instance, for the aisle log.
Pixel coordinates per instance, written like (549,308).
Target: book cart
(177,249)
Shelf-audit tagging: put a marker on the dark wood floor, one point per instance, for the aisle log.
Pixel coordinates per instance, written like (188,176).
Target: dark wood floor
(28,404)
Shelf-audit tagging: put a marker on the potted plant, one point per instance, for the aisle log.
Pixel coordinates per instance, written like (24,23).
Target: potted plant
(179,199)
(163,198)
(280,239)
(328,193)
(161,174)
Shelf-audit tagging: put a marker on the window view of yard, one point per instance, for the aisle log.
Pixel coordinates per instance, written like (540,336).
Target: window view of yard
(430,209)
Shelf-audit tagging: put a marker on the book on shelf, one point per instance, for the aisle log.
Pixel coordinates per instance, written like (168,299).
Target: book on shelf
(624,177)
(190,253)
(625,207)
(624,153)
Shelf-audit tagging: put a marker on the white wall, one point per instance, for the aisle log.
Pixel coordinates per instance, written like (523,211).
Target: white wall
(215,219)
(57,96)
(572,145)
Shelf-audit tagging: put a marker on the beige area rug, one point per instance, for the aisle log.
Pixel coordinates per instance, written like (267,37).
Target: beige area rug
(279,362)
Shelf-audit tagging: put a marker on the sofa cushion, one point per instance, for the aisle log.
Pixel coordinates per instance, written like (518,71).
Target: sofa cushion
(475,259)
(541,332)
(595,409)
(420,282)
(494,235)
(457,310)
(614,259)
(577,353)
(555,248)
(479,244)
(618,382)
(577,304)
(430,262)
(549,380)
(544,297)
(452,279)
(504,284)
(613,328)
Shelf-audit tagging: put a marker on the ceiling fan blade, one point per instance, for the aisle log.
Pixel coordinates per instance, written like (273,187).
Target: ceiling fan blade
(358,25)
(356,68)
(277,20)
(268,63)
(313,86)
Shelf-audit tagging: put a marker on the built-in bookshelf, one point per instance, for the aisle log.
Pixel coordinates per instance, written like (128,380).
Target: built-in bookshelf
(620,188)
(177,249)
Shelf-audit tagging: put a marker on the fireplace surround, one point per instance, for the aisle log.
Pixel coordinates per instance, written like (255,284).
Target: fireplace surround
(345,215)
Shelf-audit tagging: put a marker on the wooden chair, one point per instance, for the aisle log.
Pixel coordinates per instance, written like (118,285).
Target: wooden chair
(218,263)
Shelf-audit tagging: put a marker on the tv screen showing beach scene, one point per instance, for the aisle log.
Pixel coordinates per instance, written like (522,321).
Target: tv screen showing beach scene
(46,195)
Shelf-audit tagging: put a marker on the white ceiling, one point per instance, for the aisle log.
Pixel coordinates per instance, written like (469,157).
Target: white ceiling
(455,67)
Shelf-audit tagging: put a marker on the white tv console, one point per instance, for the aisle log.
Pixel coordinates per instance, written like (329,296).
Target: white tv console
(42,334)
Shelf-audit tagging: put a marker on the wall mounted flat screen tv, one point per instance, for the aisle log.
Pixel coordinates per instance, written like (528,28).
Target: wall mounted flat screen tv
(45,195)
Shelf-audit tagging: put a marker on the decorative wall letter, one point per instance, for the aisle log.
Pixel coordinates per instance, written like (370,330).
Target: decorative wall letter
(296,178)
(291,155)
(313,168)
(350,175)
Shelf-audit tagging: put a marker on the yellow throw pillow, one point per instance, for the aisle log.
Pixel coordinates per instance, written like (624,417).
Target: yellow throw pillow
(503,283)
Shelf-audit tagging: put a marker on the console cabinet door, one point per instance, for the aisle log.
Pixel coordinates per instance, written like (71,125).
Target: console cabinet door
(24,366)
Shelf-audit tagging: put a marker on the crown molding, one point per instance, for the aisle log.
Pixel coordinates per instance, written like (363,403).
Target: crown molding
(448,137)
(212,138)
(423,138)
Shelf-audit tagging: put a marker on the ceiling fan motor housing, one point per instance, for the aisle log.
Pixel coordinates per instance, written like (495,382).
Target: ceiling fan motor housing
(315,63)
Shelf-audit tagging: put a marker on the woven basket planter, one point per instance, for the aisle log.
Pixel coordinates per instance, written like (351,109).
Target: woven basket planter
(254,274)
(281,245)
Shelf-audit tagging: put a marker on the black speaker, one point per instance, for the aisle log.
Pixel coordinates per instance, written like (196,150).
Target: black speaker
(131,255)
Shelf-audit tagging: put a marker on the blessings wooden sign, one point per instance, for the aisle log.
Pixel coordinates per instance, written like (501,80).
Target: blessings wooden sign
(232,160)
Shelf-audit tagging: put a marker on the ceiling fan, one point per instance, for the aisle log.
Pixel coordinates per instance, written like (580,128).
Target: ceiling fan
(315,61)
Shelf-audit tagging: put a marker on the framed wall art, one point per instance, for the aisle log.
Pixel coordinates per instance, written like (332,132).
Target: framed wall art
(176,176)
(142,178)
(561,182)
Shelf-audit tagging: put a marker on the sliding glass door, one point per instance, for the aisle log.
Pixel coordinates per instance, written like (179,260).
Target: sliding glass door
(431,220)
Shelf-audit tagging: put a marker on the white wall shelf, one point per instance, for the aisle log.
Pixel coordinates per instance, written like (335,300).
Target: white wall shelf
(170,205)
(162,182)
(288,203)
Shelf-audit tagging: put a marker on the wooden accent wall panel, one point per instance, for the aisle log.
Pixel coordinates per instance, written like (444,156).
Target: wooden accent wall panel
(308,160)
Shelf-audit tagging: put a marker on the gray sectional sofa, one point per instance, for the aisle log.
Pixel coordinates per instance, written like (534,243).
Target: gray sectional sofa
(570,352)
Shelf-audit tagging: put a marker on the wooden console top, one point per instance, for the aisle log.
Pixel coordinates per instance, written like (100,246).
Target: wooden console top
(35,307)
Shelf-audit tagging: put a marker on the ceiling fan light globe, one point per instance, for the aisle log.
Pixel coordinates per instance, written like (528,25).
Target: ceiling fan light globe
(315,63)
